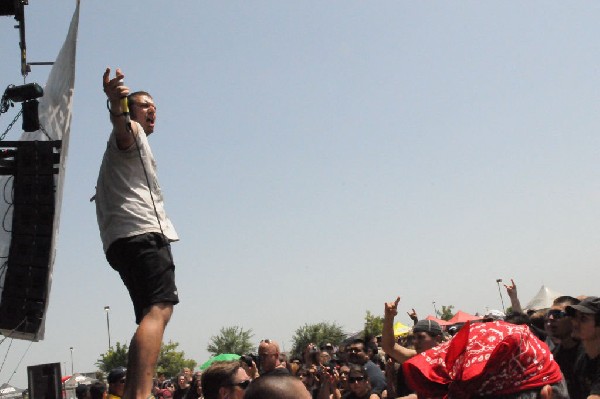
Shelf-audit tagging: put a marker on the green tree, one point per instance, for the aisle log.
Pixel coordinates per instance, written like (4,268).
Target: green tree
(231,340)
(316,333)
(171,361)
(373,325)
(115,357)
(446,313)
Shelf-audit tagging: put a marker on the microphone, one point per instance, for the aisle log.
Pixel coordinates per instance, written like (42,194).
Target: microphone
(125,108)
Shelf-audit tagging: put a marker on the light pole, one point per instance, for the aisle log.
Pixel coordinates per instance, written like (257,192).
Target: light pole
(107,310)
(498,281)
(71,348)
(435,313)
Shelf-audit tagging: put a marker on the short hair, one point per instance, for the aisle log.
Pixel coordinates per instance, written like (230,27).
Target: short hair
(97,390)
(565,300)
(216,376)
(273,387)
(132,98)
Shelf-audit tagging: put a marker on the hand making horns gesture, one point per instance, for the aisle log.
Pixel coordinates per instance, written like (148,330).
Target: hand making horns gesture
(391,308)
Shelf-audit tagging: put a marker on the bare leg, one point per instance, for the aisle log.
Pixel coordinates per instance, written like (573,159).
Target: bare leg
(144,351)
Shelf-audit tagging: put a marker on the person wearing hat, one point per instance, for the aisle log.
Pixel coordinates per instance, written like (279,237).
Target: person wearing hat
(585,318)
(116,382)
(427,334)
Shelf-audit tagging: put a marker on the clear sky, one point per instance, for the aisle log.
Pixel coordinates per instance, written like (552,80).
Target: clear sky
(321,158)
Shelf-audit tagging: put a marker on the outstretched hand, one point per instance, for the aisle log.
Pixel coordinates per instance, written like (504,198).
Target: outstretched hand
(391,308)
(114,88)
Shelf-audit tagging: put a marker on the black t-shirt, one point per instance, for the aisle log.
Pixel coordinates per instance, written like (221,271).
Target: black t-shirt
(279,371)
(587,375)
(566,359)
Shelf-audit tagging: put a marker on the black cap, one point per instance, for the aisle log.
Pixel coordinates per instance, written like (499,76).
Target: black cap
(116,374)
(429,326)
(590,305)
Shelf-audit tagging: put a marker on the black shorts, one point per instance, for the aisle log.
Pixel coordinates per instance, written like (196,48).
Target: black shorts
(146,266)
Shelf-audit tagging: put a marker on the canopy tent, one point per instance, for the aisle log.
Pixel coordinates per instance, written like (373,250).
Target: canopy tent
(400,330)
(439,321)
(543,299)
(9,392)
(462,317)
(76,379)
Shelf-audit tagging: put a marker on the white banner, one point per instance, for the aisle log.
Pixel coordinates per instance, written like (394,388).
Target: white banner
(55,112)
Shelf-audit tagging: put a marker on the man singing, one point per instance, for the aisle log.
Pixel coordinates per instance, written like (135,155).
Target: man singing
(134,228)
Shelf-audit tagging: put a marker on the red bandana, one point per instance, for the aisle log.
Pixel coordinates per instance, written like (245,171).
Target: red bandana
(493,358)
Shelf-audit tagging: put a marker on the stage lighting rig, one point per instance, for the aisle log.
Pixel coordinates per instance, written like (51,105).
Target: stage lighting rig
(26,94)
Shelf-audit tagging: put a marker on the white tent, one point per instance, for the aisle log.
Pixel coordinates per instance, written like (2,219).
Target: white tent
(8,391)
(543,299)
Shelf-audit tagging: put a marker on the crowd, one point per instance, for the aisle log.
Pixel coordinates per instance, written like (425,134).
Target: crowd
(546,353)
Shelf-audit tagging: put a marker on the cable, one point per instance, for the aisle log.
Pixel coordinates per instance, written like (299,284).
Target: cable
(6,355)
(20,360)
(137,145)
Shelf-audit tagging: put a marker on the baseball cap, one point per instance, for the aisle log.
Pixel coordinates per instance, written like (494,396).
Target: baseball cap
(590,305)
(116,374)
(428,326)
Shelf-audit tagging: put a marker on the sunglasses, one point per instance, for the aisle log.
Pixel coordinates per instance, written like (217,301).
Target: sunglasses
(355,379)
(556,314)
(121,381)
(242,385)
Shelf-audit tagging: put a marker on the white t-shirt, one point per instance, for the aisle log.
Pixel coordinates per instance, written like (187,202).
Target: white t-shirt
(124,205)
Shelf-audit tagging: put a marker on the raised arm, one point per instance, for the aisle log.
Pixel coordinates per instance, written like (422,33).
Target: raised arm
(115,91)
(511,290)
(388,341)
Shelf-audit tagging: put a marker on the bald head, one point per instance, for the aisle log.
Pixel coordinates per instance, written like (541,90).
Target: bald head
(268,354)
(277,387)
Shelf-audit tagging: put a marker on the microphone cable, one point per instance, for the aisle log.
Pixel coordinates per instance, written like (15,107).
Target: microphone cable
(125,110)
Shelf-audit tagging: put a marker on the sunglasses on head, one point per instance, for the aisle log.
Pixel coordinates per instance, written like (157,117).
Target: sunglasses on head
(355,379)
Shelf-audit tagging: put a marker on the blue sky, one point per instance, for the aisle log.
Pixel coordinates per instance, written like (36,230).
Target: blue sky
(321,158)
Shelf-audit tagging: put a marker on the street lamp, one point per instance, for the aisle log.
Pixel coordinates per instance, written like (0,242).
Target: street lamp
(107,310)
(71,348)
(498,281)
(435,313)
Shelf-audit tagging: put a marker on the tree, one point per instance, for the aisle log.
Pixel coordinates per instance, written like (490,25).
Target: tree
(446,313)
(115,357)
(170,361)
(373,325)
(316,333)
(231,340)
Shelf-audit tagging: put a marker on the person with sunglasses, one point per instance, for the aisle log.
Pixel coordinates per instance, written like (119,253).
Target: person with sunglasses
(116,382)
(224,380)
(359,386)
(585,317)
(566,349)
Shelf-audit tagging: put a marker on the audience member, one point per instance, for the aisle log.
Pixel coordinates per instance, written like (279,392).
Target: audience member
(268,356)
(116,382)
(224,380)
(487,360)
(585,318)
(276,387)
